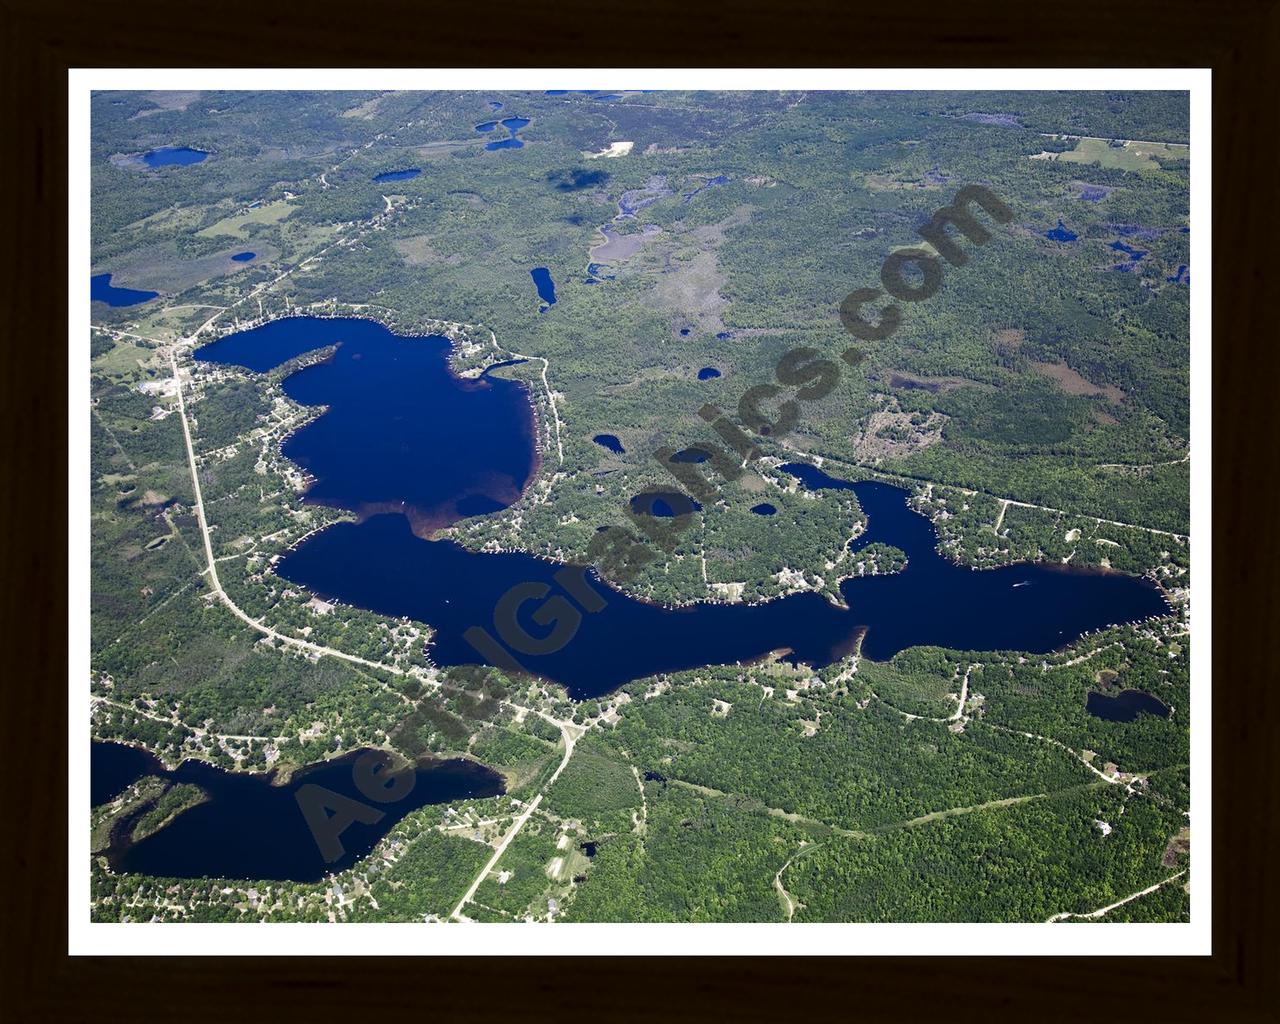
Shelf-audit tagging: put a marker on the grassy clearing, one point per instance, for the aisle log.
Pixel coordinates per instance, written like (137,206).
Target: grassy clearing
(238,225)
(1132,156)
(125,361)
(173,218)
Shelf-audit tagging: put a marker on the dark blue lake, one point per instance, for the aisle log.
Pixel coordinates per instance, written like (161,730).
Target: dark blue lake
(763,509)
(1125,706)
(244,257)
(384,391)
(487,126)
(403,175)
(511,143)
(102,290)
(382,446)
(173,156)
(250,828)
(610,442)
(546,287)
(380,564)
(708,372)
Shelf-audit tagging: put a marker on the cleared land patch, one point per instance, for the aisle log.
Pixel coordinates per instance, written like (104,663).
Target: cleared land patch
(418,251)
(693,289)
(166,101)
(1074,384)
(238,224)
(1127,156)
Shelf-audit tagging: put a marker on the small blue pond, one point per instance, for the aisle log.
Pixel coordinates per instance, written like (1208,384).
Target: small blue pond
(102,290)
(1125,706)
(1061,233)
(173,156)
(708,373)
(244,257)
(611,442)
(664,504)
(763,509)
(546,287)
(495,105)
(694,455)
(404,175)
(511,124)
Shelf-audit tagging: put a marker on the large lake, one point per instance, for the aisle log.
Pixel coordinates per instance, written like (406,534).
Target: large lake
(402,432)
(252,828)
(403,435)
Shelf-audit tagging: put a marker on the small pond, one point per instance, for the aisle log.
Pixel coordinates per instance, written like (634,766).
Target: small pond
(102,290)
(1061,233)
(1125,706)
(174,156)
(664,504)
(546,287)
(401,175)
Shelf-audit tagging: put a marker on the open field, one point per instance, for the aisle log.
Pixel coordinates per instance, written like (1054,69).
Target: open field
(238,224)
